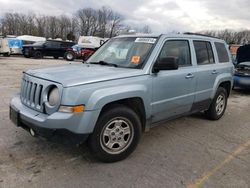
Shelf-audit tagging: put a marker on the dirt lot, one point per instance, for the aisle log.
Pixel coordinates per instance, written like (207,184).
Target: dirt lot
(188,152)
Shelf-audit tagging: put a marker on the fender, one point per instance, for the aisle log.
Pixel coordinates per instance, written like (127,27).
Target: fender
(223,77)
(104,96)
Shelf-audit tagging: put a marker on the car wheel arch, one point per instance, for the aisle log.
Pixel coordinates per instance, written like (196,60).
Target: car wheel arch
(134,103)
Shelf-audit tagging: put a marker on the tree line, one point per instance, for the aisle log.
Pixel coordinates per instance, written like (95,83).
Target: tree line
(103,22)
(230,36)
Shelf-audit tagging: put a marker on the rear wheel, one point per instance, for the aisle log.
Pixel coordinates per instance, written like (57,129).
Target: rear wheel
(27,56)
(69,56)
(218,105)
(6,54)
(38,54)
(116,134)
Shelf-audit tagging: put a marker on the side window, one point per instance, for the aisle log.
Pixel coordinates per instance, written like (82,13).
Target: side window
(204,52)
(178,49)
(54,44)
(65,45)
(222,52)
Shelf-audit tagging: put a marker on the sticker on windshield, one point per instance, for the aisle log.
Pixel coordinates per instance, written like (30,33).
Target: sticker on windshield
(146,40)
(135,59)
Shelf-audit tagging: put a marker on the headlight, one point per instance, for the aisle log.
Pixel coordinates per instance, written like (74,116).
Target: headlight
(53,96)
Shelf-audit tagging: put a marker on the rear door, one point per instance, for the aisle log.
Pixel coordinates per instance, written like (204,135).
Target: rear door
(173,90)
(63,48)
(206,73)
(52,48)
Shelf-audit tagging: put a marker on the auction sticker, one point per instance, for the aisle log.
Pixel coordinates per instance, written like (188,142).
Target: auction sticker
(146,40)
(135,59)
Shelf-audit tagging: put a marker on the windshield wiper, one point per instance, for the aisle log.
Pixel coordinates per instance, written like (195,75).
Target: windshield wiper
(104,63)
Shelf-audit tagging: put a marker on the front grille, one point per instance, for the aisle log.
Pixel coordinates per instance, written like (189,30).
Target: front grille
(34,93)
(31,93)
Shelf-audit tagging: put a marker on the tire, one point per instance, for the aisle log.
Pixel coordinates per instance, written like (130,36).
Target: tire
(69,56)
(38,55)
(218,105)
(116,134)
(27,56)
(55,57)
(6,54)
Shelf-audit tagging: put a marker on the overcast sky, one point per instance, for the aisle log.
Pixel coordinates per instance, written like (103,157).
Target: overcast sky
(161,15)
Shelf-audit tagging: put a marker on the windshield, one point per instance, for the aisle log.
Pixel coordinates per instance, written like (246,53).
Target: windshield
(40,43)
(130,52)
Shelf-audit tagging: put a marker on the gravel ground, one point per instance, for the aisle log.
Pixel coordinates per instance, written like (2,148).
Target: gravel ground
(187,152)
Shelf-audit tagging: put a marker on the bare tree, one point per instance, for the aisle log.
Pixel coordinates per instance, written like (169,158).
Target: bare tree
(103,22)
(146,29)
(231,36)
(41,25)
(115,23)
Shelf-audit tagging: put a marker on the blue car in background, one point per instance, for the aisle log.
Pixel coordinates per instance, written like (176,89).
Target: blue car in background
(242,68)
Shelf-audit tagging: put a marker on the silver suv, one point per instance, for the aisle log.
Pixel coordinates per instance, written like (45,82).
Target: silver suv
(129,85)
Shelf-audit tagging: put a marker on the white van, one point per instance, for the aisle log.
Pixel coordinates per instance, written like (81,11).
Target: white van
(4,47)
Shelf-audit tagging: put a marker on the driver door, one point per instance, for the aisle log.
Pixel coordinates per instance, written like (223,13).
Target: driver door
(174,90)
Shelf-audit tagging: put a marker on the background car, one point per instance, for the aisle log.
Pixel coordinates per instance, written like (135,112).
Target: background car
(78,51)
(242,68)
(55,48)
(85,47)
(4,47)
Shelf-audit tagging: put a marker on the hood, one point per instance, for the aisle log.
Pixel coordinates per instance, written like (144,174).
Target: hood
(36,44)
(31,45)
(244,64)
(243,54)
(72,74)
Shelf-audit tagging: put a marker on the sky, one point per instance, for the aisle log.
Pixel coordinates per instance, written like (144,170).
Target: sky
(163,16)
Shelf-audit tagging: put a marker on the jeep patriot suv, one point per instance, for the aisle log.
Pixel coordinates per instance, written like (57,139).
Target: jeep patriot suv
(129,85)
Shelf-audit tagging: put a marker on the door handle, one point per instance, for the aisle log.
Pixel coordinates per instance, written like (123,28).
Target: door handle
(189,75)
(214,72)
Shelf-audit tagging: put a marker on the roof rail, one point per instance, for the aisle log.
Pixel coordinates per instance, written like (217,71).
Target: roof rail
(198,34)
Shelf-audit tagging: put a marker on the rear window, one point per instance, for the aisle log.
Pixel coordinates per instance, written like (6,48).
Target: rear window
(204,52)
(222,52)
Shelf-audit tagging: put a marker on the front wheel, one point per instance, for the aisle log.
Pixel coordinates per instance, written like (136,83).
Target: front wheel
(218,105)
(116,134)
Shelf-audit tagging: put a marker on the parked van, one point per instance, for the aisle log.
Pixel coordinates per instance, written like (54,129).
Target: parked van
(15,45)
(4,47)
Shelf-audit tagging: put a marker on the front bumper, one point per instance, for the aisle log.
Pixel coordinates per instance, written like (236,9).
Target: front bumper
(242,82)
(50,125)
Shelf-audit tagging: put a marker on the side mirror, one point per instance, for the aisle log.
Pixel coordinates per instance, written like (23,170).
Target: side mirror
(101,42)
(167,63)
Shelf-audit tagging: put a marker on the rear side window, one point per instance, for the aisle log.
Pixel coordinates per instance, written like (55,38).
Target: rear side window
(178,49)
(204,52)
(222,52)
(53,44)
